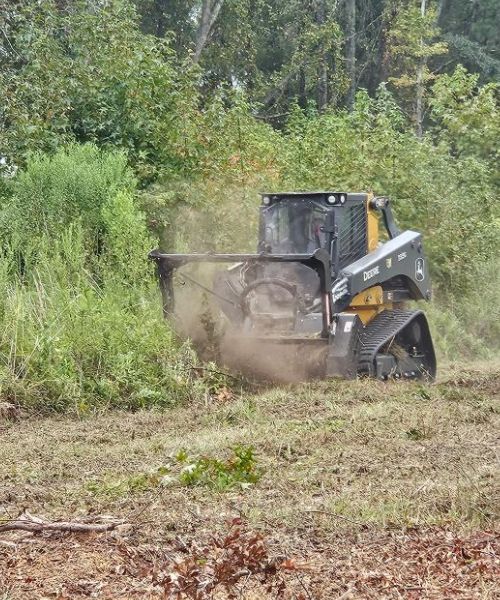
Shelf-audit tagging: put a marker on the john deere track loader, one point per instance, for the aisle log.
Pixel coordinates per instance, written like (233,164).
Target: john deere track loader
(324,281)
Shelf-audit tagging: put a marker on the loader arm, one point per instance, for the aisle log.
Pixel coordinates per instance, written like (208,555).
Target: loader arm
(401,257)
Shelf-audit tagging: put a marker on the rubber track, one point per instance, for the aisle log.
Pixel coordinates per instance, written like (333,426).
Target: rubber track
(379,332)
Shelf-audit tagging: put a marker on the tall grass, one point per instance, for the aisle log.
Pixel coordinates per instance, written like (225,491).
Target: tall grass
(467,326)
(69,342)
(81,325)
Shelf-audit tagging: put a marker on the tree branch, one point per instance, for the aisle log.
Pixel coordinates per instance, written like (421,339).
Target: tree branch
(27,522)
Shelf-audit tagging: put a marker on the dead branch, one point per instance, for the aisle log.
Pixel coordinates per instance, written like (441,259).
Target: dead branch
(27,522)
(334,515)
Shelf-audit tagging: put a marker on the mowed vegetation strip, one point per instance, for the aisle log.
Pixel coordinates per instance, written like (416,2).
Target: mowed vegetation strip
(357,458)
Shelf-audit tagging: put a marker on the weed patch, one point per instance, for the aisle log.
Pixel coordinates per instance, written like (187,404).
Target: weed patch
(238,470)
(113,488)
(417,433)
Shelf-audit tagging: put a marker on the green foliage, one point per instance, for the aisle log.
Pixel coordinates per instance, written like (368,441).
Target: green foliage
(236,146)
(33,82)
(81,325)
(472,52)
(112,487)
(135,57)
(468,325)
(412,38)
(56,191)
(90,75)
(452,200)
(126,239)
(471,31)
(73,344)
(169,18)
(273,48)
(468,116)
(238,470)
(306,40)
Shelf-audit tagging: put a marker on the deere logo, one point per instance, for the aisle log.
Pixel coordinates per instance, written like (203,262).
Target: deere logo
(371,273)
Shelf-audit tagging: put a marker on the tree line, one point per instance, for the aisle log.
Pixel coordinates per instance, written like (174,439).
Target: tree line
(309,51)
(323,51)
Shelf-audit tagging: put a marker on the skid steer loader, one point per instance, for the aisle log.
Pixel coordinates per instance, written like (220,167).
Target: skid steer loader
(323,280)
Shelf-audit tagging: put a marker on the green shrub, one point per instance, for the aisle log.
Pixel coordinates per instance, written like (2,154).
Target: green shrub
(468,325)
(89,74)
(72,343)
(81,323)
(240,469)
(56,191)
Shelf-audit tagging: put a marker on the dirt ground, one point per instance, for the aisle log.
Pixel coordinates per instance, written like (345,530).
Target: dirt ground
(366,490)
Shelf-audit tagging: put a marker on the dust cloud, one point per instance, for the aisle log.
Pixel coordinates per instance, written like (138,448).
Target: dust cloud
(274,361)
(198,317)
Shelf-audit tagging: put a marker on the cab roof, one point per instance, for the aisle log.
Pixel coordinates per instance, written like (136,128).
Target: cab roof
(318,195)
(304,193)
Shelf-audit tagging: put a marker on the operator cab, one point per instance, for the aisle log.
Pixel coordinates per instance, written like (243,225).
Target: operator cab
(302,222)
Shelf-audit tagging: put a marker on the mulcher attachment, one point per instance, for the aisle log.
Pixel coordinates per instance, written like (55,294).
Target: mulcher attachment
(397,344)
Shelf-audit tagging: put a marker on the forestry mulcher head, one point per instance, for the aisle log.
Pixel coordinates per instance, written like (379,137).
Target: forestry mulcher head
(323,281)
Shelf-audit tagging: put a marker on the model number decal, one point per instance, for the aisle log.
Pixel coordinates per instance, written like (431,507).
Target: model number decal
(402,256)
(371,273)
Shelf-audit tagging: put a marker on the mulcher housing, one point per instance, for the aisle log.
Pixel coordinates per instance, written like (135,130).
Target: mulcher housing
(322,276)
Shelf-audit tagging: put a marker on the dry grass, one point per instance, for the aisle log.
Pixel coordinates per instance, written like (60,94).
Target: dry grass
(353,463)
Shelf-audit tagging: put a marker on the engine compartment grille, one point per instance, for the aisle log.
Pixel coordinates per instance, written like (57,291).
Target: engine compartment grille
(352,237)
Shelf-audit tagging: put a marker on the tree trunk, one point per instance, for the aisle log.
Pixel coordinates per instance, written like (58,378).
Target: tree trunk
(302,88)
(441,10)
(209,12)
(351,51)
(159,10)
(388,18)
(419,101)
(322,83)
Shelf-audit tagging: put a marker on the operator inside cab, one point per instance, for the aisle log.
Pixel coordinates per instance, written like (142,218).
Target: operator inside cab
(316,234)
(294,228)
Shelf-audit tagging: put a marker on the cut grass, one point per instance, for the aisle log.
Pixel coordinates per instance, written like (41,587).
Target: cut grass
(336,459)
(380,454)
